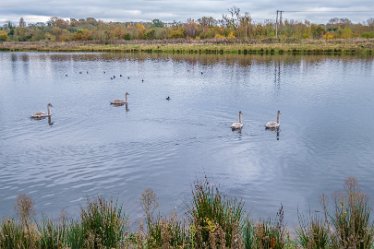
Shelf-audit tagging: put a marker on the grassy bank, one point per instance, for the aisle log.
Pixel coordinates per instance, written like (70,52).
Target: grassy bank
(213,221)
(341,47)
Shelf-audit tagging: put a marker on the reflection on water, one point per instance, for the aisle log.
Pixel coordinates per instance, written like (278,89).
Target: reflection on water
(277,77)
(90,148)
(50,123)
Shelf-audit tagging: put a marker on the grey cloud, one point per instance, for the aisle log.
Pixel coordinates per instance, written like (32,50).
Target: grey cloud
(169,10)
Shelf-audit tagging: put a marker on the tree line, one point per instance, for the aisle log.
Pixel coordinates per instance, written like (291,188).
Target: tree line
(233,26)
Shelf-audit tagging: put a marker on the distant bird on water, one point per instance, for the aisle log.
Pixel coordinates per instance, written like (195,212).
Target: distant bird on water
(273,124)
(42,115)
(238,125)
(168,98)
(120,102)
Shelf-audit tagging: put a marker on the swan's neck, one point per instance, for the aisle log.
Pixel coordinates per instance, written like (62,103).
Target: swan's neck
(49,111)
(278,118)
(126,98)
(240,118)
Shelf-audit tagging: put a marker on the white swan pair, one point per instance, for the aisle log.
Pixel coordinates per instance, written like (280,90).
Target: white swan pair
(269,125)
(43,115)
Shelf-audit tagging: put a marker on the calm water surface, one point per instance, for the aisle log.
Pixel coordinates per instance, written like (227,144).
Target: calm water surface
(95,149)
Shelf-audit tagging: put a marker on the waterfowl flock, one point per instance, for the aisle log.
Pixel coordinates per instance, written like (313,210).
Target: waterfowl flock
(235,126)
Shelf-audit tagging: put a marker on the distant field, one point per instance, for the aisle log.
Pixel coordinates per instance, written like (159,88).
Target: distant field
(335,47)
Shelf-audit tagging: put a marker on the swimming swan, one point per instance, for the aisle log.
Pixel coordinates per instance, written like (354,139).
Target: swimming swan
(42,115)
(273,124)
(238,125)
(120,102)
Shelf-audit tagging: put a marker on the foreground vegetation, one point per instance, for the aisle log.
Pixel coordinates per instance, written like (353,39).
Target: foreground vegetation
(213,221)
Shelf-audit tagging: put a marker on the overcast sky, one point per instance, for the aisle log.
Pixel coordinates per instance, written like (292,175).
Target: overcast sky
(170,10)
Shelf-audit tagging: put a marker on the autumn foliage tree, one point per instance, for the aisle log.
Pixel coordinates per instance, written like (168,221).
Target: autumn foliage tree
(233,26)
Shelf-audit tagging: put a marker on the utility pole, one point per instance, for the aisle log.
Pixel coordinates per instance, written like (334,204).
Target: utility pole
(276,25)
(278,22)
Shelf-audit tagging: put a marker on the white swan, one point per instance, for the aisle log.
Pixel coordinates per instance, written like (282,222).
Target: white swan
(273,124)
(42,115)
(238,125)
(120,102)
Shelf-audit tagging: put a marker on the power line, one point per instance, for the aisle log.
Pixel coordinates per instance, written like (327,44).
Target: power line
(329,11)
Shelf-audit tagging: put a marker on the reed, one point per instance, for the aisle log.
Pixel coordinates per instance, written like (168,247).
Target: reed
(214,218)
(75,235)
(12,235)
(248,233)
(314,233)
(22,233)
(350,221)
(213,221)
(271,234)
(162,232)
(103,223)
(52,235)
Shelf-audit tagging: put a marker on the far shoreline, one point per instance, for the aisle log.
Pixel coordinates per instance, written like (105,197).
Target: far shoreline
(308,47)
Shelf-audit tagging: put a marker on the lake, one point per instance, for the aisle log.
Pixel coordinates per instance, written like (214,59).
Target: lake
(93,148)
